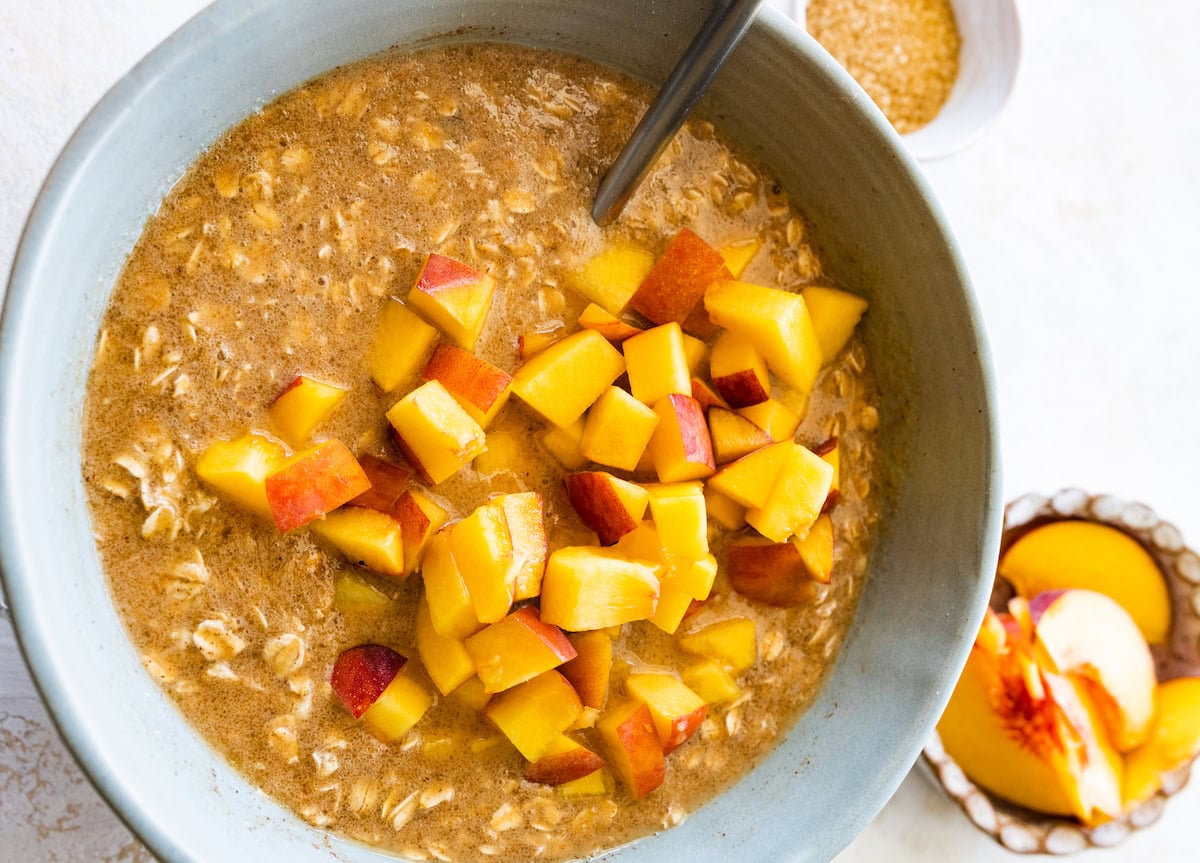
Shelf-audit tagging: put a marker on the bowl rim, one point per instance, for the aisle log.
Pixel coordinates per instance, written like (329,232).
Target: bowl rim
(223,16)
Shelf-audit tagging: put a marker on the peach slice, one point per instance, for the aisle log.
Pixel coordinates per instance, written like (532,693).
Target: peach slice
(749,480)
(451,610)
(796,499)
(680,517)
(303,405)
(1080,554)
(707,396)
(656,364)
(536,341)
(610,506)
(676,283)
(610,278)
(676,710)
(435,434)
(563,381)
(1088,635)
(312,483)
(709,680)
(564,761)
(517,649)
(738,255)
(733,436)
(366,537)
(454,296)
(564,443)
(483,552)
(446,660)
(477,385)
(420,518)
(835,314)
(684,583)
(726,512)
(774,320)
(596,784)
(362,673)
(681,448)
(1174,740)
(402,341)
(738,371)
(535,713)
(239,468)
(608,325)
(525,514)
(816,550)
(769,572)
(388,482)
(731,642)
(398,708)
(618,430)
(631,740)
(591,668)
(773,417)
(593,588)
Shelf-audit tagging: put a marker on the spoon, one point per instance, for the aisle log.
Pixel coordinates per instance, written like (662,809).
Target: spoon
(723,29)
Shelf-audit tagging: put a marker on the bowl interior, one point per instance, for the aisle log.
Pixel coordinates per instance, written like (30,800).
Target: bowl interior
(792,107)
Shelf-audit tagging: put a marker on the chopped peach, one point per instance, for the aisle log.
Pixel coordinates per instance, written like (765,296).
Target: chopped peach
(834,314)
(774,417)
(749,480)
(610,278)
(477,385)
(738,255)
(725,511)
(591,588)
(420,518)
(797,497)
(596,784)
(774,320)
(831,452)
(698,323)
(642,543)
(525,515)
(676,710)
(402,342)
(503,450)
(768,572)
(709,679)
(561,382)
(450,607)
(608,325)
(672,608)
(1174,740)
(656,364)
(589,671)
(696,352)
(435,434)
(302,406)
(366,537)
(738,370)
(707,396)
(362,673)
(678,279)
(483,553)
(731,642)
(312,483)
(631,740)
(239,468)
(353,595)
(679,514)
(565,760)
(563,443)
(533,714)
(816,550)
(535,341)
(472,694)
(733,436)
(618,430)
(398,708)
(454,296)
(446,660)
(610,506)
(388,482)
(680,447)
(685,583)
(516,649)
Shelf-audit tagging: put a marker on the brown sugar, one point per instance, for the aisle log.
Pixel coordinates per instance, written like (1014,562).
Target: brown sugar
(904,53)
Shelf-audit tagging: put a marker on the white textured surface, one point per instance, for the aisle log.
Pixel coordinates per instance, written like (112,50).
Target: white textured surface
(1078,216)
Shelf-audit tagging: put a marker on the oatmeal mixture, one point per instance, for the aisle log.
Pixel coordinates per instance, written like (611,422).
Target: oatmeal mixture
(274,257)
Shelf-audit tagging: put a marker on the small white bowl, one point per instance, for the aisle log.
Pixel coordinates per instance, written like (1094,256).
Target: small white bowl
(991,52)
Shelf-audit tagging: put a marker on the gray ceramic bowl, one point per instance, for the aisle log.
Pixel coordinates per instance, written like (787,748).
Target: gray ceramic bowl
(880,227)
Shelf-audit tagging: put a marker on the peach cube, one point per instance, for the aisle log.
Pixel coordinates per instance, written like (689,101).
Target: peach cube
(238,469)
(769,572)
(610,326)
(734,436)
(738,255)
(773,417)
(366,537)
(303,405)
(774,320)
(533,714)
(420,518)
(503,451)
(524,513)
(454,296)
(483,553)
(831,452)
(610,506)
(617,430)
(679,514)
(352,595)
(312,483)
(597,784)
(593,588)
(536,341)
(681,447)
(797,497)
(816,550)
(435,434)
(610,278)
(451,610)
(563,381)
(631,740)
(731,642)
(726,512)
(591,668)
(676,710)
(398,708)
(834,314)
(749,480)
(388,482)
(518,648)
(696,351)
(564,443)
(402,341)
(738,370)
(656,364)
(564,761)
(446,660)
(472,694)
(361,674)
(709,679)
(677,282)
(707,396)
(477,385)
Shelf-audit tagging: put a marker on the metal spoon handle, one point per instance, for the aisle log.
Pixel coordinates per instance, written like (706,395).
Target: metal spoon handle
(716,40)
